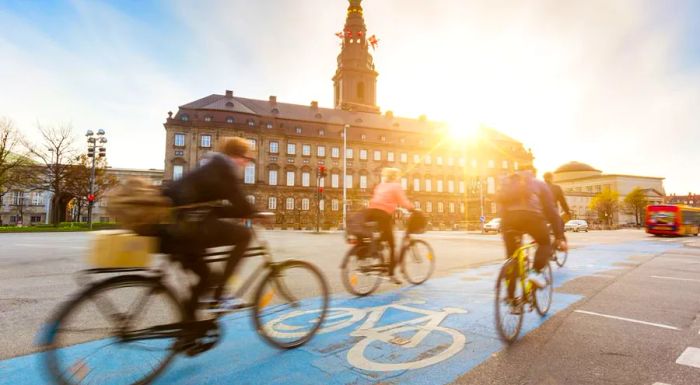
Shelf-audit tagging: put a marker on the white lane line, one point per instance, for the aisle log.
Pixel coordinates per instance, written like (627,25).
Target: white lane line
(660,383)
(602,275)
(675,278)
(690,357)
(628,320)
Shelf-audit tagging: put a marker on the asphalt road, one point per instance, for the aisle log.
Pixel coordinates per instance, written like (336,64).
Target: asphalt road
(583,343)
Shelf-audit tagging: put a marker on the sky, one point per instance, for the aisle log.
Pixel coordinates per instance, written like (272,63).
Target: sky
(615,84)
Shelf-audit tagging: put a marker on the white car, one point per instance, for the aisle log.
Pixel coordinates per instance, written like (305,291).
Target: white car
(493,225)
(576,225)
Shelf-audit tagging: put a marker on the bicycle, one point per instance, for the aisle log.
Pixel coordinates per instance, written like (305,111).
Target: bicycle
(405,334)
(367,262)
(559,256)
(72,349)
(514,292)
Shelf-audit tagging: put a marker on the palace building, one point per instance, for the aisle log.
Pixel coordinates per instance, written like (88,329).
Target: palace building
(452,181)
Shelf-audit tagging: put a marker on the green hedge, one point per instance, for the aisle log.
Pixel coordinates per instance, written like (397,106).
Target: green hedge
(62,227)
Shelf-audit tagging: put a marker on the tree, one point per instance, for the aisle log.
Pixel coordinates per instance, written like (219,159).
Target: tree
(636,202)
(57,154)
(13,160)
(605,204)
(78,181)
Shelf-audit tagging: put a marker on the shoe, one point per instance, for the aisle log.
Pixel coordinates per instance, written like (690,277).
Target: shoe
(537,279)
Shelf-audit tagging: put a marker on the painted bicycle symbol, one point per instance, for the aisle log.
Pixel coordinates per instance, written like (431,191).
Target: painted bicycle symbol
(406,334)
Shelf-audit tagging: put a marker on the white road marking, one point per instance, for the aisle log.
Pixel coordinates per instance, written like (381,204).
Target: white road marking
(675,278)
(690,357)
(628,320)
(660,383)
(602,275)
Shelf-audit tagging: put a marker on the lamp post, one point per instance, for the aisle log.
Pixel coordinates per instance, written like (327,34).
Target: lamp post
(345,177)
(96,147)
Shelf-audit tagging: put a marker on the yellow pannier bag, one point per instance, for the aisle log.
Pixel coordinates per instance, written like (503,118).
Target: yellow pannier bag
(121,248)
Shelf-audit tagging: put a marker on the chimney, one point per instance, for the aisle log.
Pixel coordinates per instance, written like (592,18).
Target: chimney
(273,99)
(314,105)
(229,93)
(390,114)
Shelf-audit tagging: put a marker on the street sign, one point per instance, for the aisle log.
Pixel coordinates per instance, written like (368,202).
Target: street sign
(482,218)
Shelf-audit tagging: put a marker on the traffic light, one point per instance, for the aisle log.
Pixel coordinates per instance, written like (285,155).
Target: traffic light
(91,152)
(322,171)
(91,198)
(320,190)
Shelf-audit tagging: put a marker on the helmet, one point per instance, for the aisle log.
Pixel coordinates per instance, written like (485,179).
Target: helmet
(417,222)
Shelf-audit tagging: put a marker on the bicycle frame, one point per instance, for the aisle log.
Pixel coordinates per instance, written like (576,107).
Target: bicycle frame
(522,259)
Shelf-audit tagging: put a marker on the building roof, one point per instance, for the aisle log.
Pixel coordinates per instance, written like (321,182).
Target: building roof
(574,167)
(604,176)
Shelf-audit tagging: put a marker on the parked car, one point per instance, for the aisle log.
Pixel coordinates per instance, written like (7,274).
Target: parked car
(493,225)
(576,225)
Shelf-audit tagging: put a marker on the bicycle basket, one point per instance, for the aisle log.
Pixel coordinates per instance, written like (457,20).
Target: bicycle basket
(416,223)
(120,248)
(356,226)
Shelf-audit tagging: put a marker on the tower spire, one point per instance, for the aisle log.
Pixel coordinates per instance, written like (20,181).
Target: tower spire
(355,80)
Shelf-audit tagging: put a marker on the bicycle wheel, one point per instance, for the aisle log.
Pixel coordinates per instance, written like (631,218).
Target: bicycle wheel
(509,310)
(560,257)
(417,261)
(543,297)
(83,339)
(294,290)
(359,272)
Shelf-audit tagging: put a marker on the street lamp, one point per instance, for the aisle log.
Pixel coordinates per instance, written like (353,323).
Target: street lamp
(96,147)
(345,177)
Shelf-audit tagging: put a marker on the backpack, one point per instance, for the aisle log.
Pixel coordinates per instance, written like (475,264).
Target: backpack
(516,190)
(139,206)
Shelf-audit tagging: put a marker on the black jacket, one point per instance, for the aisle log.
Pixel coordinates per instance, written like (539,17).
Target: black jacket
(558,195)
(216,180)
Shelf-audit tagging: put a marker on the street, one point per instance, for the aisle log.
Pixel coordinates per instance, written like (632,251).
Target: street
(625,311)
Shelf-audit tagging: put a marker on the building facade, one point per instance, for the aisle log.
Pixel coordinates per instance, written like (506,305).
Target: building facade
(691,199)
(452,181)
(582,182)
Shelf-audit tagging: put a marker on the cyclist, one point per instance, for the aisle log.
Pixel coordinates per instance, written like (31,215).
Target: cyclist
(526,207)
(558,195)
(386,197)
(217,179)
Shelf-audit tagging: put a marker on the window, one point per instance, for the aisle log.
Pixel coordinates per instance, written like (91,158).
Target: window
(179,153)
(504,164)
(268,125)
(207,118)
(305,179)
(515,166)
(322,204)
(251,122)
(363,137)
(491,185)
(290,178)
(321,151)
(180,140)
(390,156)
(491,163)
(274,147)
(37,199)
(348,153)
(322,182)
(229,120)
(474,164)
(428,159)
(451,207)
(206,141)
(377,155)
(461,187)
(417,204)
(348,180)
(416,184)
(450,161)
(404,157)
(335,152)
(185,117)
(37,218)
(18,198)
(272,203)
(363,154)
(382,138)
(322,132)
(177,171)
(428,207)
(253,144)
(335,180)
(428,185)
(297,130)
(416,158)
(404,183)
(441,207)
(272,178)
(305,204)
(439,185)
(249,174)
(334,205)
(438,161)
(306,149)
(363,181)
(289,205)
(291,149)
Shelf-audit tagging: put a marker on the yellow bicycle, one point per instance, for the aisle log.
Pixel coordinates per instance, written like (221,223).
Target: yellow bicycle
(515,293)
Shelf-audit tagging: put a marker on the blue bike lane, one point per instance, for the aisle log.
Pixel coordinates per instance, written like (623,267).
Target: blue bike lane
(427,334)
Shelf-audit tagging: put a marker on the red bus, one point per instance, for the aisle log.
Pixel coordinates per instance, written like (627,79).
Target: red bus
(672,220)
